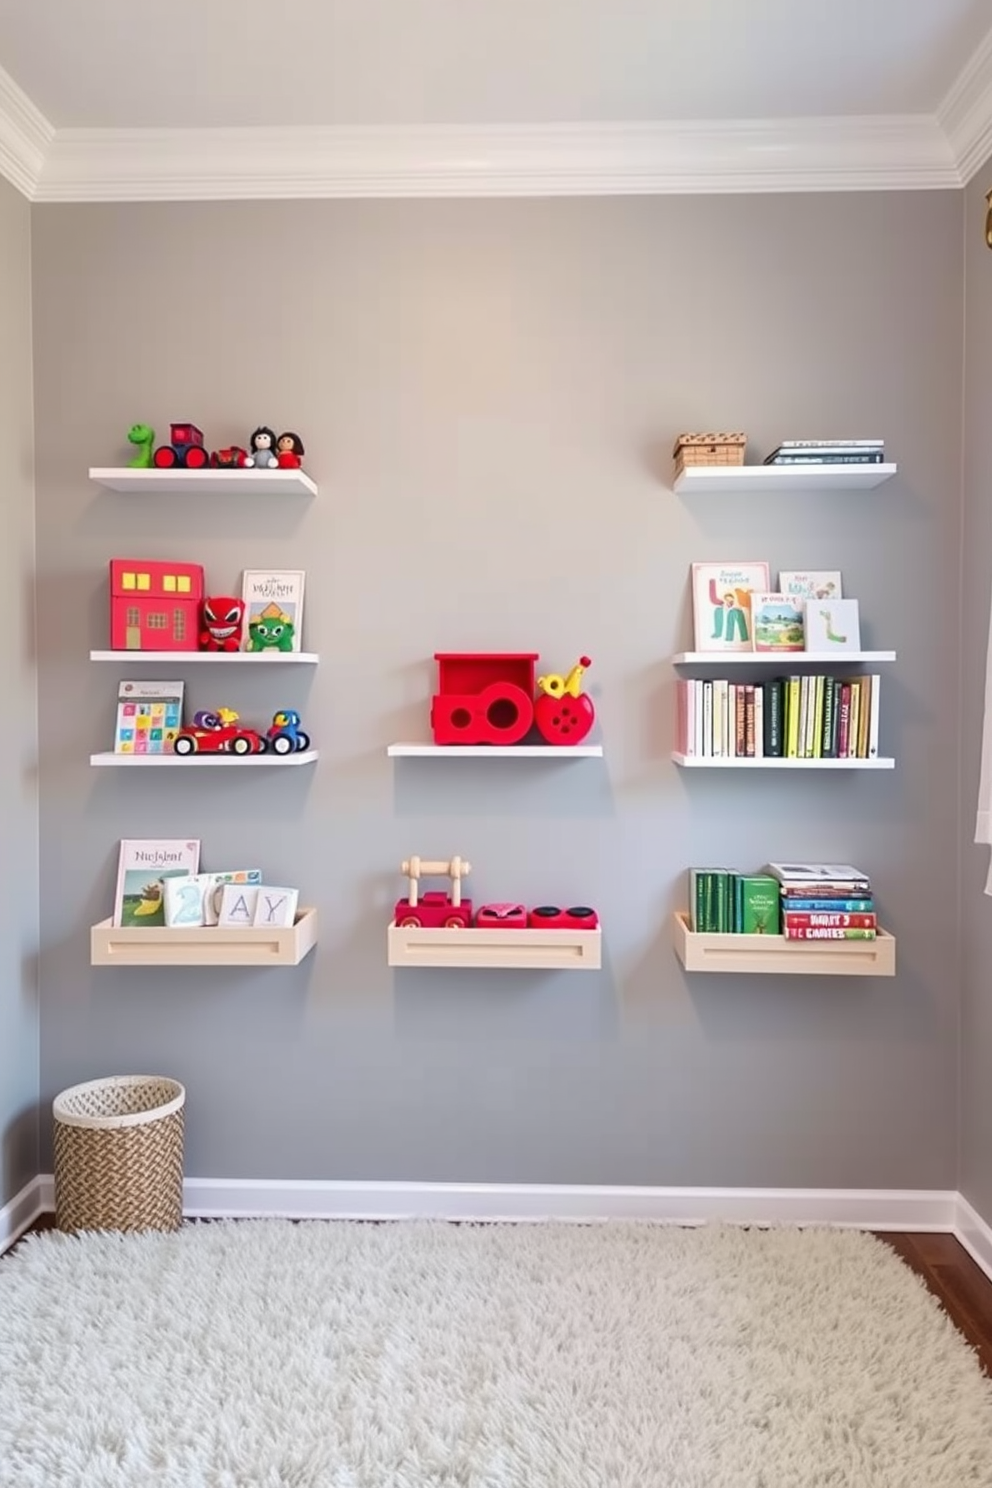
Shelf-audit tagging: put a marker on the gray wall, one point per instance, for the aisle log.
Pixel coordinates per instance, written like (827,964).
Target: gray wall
(489,391)
(18,779)
(976,908)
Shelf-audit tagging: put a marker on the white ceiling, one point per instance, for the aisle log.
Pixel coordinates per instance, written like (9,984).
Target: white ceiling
(209,63)
(913,78)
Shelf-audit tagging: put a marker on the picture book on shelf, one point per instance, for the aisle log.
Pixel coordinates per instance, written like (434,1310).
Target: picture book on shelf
(196,900)
(149,715)
(832,625)
(778,622)
(810,583)
(273,609)
(142,869)
(721,604)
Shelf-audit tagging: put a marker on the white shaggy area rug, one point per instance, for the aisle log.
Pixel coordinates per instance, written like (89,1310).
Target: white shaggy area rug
(268,1354)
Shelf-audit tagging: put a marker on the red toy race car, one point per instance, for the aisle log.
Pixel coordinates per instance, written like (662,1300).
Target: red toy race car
(218,733)
(231,458)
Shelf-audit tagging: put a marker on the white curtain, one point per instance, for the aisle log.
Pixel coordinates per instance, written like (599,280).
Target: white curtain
(983,823)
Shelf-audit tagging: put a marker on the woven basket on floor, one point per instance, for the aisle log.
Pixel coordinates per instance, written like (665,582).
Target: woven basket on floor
(119,1154)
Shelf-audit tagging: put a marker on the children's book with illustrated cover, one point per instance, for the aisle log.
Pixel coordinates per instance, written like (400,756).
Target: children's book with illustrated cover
(196,900)
(143,866)
(832,625)
(721,604)
(810,583)
(273,609)
(778,622)
(800,874)
(149,715)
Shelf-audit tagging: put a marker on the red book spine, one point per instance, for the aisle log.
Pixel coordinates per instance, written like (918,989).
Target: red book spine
(845,719)
(829,920)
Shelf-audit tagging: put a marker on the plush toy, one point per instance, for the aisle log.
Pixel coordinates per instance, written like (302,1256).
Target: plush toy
(262,449)
(271,630)
(222,619)
(143,437)
(289,451)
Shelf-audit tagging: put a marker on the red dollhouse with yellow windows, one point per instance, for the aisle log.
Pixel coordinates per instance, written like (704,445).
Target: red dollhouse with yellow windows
(154,606)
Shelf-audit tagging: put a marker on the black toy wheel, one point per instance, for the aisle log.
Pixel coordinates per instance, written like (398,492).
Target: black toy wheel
(282,744)
(184,745)
(302,740)
(241,746)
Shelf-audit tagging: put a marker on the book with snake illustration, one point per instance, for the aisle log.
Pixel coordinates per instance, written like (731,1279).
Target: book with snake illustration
(721,604)
(832,625)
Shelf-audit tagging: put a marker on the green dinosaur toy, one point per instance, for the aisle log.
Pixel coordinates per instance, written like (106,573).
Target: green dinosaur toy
(272,630)
(142,435)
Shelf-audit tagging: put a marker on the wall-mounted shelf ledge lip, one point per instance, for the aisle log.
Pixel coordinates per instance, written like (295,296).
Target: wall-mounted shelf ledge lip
(190,761)
(783,660)
(206,482)
(776,762)
(215,658)
(495,751)
(506,950)
(809,477)
(199,946)
(774,955)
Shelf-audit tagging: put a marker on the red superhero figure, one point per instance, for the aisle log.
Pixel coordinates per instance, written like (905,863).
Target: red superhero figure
(223,617)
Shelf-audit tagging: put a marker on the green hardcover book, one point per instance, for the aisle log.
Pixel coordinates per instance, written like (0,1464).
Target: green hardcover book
(760,904)
(738,904)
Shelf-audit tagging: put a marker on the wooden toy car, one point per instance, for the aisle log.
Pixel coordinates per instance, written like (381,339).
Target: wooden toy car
(184,451)
(435,909)
(286,733)
(218,733)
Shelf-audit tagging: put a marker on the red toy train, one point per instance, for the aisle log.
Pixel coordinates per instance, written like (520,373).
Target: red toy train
(487,697)
(435,909)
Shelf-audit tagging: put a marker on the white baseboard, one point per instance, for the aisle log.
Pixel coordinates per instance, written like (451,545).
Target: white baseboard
(974,1234)
(939,1210)
(881,1209)
(22,1211)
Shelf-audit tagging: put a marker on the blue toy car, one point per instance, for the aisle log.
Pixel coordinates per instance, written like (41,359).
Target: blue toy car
(286,734)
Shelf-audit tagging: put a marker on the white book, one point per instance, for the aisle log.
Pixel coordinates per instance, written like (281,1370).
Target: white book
(196,900)
(275,908)
(759,722)
(875,682)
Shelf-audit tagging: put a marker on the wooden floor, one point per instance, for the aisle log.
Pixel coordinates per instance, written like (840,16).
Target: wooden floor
(958,1283)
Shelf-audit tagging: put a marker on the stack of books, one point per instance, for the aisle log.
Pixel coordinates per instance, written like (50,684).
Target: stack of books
(793,717)
(725,902)
(825,901)
(828,452)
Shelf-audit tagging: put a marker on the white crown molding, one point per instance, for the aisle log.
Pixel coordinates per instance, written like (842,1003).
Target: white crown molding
(835,154)
(965,116)
(25,137)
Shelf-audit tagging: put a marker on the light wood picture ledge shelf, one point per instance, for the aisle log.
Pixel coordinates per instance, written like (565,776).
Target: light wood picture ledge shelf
(529,950)
(134,945)
(773,955)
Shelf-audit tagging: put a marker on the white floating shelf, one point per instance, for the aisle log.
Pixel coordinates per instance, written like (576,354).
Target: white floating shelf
(776,762)
(813,477)
(135,945)
(495,751)
(773,955)
(215,761)
(216,658)
(206,482)
(778,658)
(527,950)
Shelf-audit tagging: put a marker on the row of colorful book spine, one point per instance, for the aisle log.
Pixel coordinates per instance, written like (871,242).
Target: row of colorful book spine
(722,901)
(791,717)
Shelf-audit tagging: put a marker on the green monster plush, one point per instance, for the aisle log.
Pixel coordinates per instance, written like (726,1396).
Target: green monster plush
(142,435)
(271,631)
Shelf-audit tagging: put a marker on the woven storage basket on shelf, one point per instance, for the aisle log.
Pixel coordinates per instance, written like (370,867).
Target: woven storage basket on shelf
(708,449)
(119,1154)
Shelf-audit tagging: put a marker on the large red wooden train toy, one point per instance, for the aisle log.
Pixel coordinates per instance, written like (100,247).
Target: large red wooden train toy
(435,909)
(487,697)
